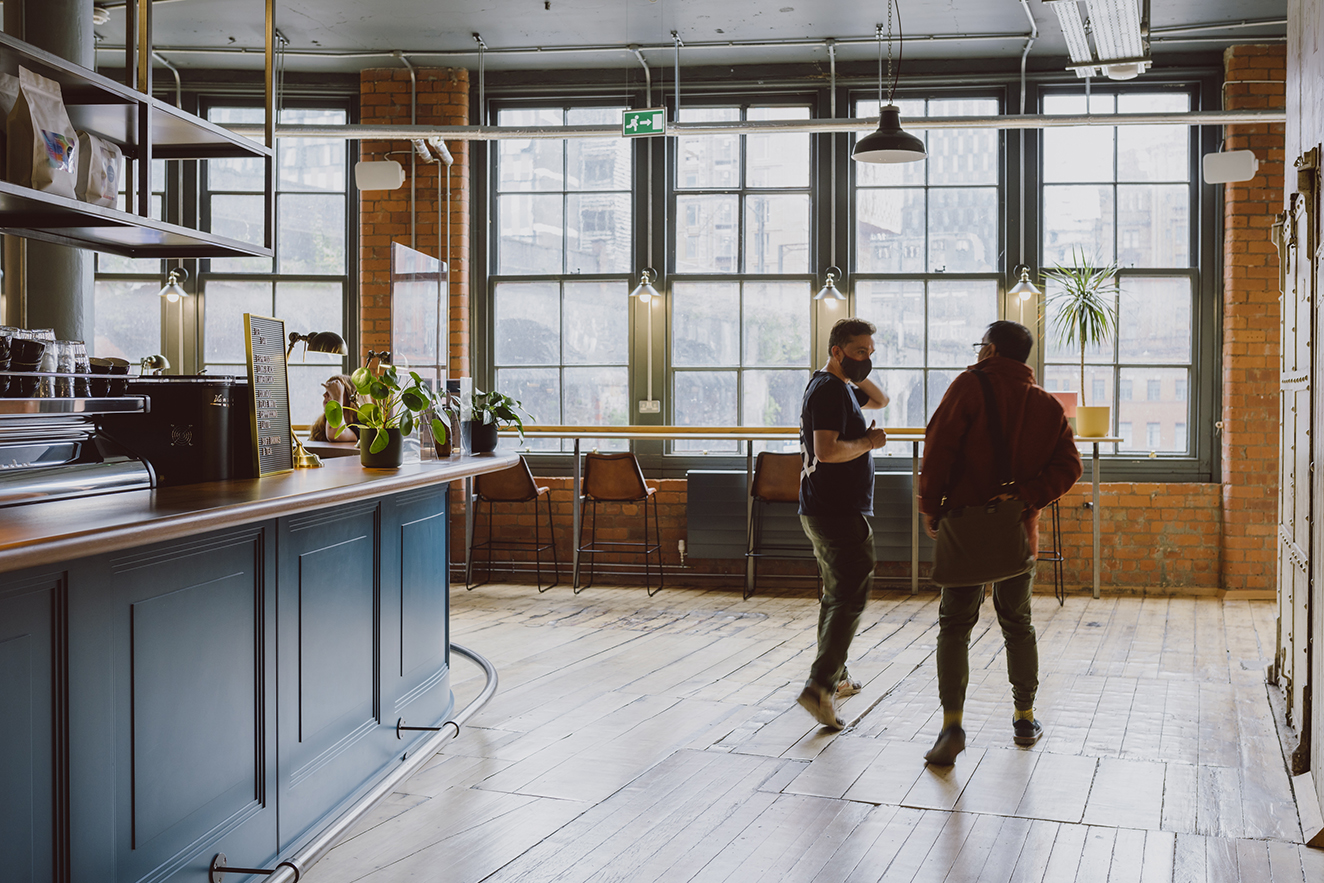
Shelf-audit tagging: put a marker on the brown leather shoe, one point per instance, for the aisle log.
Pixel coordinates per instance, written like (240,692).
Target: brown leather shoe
(951,742)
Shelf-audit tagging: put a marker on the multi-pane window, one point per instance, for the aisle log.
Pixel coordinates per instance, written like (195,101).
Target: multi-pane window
(304,284)
(563,259)
(927,255)
(126,293)
(1125,196)
(741,293)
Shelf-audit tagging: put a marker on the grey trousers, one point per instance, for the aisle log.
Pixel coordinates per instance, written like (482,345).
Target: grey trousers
(843,545)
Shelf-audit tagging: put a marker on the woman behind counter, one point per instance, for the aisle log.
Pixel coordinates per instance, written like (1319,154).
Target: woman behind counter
(337,388)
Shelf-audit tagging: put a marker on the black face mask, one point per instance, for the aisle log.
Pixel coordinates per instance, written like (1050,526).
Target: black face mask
(855,369)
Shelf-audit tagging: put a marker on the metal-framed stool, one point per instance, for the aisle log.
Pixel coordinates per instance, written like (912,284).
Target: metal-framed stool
(776,480)
(617,478)
(1054,554)
(513,485)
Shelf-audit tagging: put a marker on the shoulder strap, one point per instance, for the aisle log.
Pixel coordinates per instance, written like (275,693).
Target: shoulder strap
(1001,457)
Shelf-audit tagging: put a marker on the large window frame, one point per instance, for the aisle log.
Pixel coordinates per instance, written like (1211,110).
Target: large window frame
(831,176)
(1200,462)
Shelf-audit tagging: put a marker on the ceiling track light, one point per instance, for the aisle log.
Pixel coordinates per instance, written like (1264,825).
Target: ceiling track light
(890,143)
(1120,33)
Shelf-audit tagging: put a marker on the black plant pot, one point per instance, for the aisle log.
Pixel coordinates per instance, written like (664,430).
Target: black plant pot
(388,457)
(482,437)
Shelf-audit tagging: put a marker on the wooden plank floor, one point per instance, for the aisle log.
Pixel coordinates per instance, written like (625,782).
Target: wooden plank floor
(658,739)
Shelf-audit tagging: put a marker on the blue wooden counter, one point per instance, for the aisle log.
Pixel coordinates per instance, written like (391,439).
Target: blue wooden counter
(214,668)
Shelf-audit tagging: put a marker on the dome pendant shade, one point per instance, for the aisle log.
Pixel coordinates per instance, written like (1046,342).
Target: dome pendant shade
(891,143)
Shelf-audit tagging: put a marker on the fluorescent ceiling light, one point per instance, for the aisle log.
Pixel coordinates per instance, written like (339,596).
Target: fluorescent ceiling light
(1119,46)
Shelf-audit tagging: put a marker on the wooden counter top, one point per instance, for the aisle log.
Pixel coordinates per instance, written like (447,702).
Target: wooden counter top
(62,530)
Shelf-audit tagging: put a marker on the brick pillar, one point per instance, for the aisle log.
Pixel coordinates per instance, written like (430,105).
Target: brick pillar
(1251,316)
(443,99)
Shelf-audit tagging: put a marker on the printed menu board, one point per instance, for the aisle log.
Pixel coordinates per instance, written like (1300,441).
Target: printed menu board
(269,411)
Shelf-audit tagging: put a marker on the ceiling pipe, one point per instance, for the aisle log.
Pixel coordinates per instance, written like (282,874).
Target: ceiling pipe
(712,44)
(413,121)
(1009,122)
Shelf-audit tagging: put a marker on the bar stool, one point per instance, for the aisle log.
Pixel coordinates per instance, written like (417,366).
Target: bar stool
(776,480)
(617,478)
(514,485)
(1054,555)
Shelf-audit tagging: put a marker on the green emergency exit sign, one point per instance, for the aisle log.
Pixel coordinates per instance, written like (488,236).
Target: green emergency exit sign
(651,121)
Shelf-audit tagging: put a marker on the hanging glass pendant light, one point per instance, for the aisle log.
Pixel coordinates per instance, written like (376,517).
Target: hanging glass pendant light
(890,143)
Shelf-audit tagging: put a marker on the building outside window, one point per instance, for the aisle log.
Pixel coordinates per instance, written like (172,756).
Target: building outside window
(741,294)
(927,246)
(305,283)
(562,271)
(127,307)
(1125,196)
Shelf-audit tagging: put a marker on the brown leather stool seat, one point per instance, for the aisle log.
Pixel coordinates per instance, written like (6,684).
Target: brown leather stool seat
(776,480)
(617,478)
(513,486)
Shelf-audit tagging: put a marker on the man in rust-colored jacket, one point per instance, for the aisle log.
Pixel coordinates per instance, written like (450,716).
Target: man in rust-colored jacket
(959,470)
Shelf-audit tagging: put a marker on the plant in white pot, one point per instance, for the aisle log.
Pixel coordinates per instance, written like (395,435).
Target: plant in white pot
(1084,314)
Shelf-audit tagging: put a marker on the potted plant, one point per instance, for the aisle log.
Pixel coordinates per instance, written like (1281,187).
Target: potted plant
(388,408)
(1085,315)
(489,410)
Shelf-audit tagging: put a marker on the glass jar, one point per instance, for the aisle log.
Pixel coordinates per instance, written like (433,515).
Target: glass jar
(82,368)
(64,367)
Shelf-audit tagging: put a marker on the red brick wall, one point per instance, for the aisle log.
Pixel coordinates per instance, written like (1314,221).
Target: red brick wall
(443,99)
(1251,318)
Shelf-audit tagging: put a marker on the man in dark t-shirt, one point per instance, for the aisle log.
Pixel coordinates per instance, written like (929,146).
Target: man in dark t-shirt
(836,493)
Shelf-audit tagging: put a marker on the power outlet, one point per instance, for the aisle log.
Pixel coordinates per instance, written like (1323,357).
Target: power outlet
(650,406)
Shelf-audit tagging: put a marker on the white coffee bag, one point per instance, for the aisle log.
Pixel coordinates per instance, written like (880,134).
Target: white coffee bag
(43,144)
(99,169)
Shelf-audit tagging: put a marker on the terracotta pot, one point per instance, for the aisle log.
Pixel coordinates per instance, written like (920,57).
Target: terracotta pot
(388,457)
(1092,421)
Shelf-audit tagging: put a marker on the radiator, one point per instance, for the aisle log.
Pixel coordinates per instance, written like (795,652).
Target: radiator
(715,517)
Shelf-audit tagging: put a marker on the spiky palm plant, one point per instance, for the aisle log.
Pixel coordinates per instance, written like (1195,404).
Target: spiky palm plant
(1086,306)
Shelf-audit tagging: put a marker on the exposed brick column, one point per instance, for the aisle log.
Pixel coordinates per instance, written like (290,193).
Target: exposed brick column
(1251,317)
(443,99)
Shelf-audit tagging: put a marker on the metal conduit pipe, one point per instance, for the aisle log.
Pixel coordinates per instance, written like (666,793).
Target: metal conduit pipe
(413,121)
(293,868)
(710,44)
(557,133)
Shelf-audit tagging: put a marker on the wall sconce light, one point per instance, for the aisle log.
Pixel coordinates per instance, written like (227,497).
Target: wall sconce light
(318,342)
(829,292)
(173,291)
(645,290)
(1024,288)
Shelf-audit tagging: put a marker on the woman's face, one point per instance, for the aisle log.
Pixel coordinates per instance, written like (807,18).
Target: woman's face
(331,391)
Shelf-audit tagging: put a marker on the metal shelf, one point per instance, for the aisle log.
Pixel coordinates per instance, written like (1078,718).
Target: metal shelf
(46,216)
(104,107)
(86,406)
(145,128)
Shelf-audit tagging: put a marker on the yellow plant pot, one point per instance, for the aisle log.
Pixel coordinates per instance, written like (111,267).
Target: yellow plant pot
(1092,422)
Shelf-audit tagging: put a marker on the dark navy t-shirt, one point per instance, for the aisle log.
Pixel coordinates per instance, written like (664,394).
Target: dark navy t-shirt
(833,488)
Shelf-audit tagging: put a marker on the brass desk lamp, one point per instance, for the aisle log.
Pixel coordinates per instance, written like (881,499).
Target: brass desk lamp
(315,342)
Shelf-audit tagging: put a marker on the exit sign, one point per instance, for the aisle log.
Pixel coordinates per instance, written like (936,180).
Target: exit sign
(651,121)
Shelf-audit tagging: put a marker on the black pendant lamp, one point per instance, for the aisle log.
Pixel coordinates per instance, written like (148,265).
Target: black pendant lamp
(890,143)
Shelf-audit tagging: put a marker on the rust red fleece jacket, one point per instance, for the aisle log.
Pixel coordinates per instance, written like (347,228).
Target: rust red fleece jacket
(958,447)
